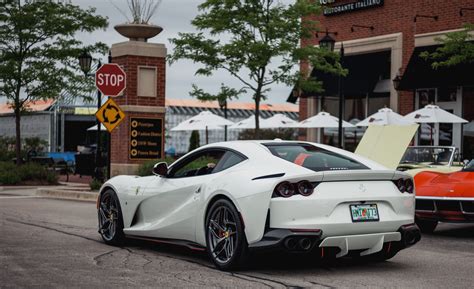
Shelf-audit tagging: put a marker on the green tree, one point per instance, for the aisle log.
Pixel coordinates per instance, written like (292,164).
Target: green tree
(38,52)
(246,37)
(457,48)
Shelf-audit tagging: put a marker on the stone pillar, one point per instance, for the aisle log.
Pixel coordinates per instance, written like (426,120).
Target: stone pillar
(140,136)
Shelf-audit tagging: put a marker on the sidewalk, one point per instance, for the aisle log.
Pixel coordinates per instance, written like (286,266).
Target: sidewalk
(69,191)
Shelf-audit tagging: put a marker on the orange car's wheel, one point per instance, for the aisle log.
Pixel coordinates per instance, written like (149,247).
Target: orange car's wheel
(426,226)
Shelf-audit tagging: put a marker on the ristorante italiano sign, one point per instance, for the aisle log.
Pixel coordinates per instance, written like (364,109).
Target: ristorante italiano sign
(348,7)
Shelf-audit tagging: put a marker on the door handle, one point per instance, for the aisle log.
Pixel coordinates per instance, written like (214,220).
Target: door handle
(198,190)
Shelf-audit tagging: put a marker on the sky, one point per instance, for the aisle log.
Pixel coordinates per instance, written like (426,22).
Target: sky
(174,16)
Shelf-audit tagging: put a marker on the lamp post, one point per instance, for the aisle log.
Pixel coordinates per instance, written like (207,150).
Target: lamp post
(223,105)
(328,43)
(85,63)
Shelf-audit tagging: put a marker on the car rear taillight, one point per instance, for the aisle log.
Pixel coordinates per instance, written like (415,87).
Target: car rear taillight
(404,185)
(287,189)
(284,190)
(304,188)
(409,186)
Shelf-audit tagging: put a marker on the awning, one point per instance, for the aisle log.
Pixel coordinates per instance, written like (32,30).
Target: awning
(420,74)
(364,72)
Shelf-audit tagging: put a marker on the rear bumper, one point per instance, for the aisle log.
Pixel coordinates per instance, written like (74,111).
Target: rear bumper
(301,241)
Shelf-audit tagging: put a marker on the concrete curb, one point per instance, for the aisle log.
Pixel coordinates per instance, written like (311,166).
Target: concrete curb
(67,194)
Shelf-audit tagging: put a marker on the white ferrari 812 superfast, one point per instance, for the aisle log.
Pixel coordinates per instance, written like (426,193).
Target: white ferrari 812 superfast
(233,197)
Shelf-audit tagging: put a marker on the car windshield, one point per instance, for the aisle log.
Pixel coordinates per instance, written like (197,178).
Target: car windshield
(314,158)
(428,155)
(470,166)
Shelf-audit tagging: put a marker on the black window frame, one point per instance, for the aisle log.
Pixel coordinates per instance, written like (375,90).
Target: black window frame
(178,164)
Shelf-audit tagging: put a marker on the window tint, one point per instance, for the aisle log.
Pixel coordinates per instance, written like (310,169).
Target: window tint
(230,159)
(314,158)
(200,164)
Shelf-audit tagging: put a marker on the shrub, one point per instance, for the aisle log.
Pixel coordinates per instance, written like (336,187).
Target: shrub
(145,169)
(10,174)
(268,134)
(95,185)
(194,140)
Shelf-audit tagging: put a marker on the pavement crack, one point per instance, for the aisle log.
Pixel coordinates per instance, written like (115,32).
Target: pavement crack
(286,285)
(236,275)
(52,229)
(97,259)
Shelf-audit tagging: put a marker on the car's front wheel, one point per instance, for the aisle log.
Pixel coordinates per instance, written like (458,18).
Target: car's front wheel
(110,218)
(225,237)
(426,226)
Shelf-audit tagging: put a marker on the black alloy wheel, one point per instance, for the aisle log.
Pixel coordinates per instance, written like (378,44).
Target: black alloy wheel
(225,237)
(110,218)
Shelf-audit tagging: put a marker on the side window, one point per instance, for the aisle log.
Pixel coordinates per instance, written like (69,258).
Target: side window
(200,164)
(229,159)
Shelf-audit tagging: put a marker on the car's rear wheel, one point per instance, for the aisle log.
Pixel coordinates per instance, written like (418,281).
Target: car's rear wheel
(225,236)
(110,218)
(426,226)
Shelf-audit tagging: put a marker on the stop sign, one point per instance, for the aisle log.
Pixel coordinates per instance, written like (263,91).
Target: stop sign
(110,79)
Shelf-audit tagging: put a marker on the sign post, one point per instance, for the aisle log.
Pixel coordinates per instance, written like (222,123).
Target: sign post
(110,80)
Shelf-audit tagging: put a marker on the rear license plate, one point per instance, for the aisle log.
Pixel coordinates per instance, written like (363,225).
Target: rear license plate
(364,213)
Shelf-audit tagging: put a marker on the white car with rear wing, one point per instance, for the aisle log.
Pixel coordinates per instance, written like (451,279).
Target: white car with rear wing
(233,197)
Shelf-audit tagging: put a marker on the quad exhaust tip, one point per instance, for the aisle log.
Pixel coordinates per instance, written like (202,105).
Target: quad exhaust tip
(298,244)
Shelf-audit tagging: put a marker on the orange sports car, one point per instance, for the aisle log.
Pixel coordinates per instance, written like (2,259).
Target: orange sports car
(444,197)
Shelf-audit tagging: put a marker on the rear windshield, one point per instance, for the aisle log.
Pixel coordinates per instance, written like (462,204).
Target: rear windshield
(314,158)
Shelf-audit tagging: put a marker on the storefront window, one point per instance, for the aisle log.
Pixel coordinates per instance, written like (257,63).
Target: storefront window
(447,94)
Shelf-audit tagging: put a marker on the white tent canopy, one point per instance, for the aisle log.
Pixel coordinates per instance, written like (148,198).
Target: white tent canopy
(278,121)
(248,123)
(205,120)
(323,120)
(385,116)
(94,128)
(433,114)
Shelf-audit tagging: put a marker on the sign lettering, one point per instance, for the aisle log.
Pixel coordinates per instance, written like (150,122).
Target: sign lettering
(146,138)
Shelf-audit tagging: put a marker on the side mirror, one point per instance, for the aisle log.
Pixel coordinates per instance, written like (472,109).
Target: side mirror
(160,169)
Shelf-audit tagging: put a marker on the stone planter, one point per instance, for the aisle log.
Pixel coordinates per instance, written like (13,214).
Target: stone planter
(138,32)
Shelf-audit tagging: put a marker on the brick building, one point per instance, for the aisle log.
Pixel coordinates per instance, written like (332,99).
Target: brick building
(383,40)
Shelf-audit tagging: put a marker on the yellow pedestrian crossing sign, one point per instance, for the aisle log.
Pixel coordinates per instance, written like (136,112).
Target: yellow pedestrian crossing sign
(110,115)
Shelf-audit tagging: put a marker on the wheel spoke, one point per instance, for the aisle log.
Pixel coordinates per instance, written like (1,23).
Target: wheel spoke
(220,242)
(104,224)
(102,213)
(217,225)
(229,248)
(214,234)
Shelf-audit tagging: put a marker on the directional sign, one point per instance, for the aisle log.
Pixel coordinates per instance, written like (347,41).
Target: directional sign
(110,79)
(146,138)
(110,115)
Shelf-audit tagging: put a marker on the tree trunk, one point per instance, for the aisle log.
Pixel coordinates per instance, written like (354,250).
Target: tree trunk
(18,135)
(257,115)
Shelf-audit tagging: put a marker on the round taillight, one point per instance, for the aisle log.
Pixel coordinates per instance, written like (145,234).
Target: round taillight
(409,186)
(305,188)
(284,190)
(401,185)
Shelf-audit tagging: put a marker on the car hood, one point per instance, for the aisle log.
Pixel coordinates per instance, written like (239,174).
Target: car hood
(458,184)
(386,144)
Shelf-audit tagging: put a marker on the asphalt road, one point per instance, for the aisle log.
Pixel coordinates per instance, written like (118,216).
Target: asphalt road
(49,243)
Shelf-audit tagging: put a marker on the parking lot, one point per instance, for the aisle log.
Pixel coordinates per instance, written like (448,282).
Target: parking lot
(50,243)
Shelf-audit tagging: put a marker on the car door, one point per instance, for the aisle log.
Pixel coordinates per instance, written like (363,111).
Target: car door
(172,202)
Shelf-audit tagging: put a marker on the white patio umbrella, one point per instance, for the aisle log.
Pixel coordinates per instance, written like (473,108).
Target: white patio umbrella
(323,120)
(385,116)
(278,121)
(468,129)
(433,114)
(94,127)
(248,123)
(205,120)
